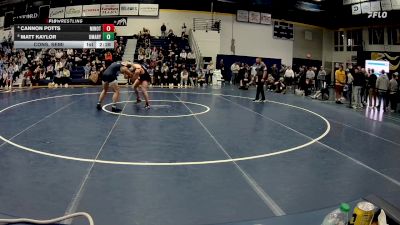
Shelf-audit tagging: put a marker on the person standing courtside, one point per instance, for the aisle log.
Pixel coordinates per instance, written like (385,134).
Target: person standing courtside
(382,87)
(340,81)
(235,71)
(358,84)
(393,92)
(260,77)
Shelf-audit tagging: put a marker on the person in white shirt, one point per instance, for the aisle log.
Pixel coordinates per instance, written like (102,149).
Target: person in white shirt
(59,54)
(191,55)
(70,51)
(183,55)
(141,57)
(310,75)
(184,77)
(235,71)
(289,76)
(59,72)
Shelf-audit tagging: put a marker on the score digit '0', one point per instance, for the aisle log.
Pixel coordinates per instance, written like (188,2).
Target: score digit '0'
(108,28)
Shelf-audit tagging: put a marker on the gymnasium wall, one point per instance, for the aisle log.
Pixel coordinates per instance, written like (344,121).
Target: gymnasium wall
(253,40)
(208,42)
(250,39)
(307,40)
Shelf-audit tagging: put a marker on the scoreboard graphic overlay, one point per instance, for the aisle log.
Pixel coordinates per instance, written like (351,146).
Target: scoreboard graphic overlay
(99,36)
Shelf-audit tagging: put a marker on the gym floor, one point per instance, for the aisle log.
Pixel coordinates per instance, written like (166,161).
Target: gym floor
(198,156)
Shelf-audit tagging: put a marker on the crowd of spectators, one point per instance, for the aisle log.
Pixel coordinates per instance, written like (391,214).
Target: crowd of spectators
(367,88)
(29,67)
(360,87)
(171,62)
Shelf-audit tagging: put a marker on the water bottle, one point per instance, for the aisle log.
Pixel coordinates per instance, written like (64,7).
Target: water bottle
(338,216)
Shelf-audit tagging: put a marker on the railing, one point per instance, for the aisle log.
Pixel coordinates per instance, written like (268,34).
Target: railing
(206,24)
(195,48)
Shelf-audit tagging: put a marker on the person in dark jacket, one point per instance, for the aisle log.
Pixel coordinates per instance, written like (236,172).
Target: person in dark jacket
(371,88)
(358,84)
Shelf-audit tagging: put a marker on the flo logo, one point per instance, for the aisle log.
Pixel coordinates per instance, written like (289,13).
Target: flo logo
(379,15)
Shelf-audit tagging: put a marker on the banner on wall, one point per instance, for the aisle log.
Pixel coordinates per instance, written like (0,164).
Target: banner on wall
(129,9)
(356,9)
(58,12)
(109,9)
(242,16)
(254,17)
(266,18)
(148,10)
(91,10)
(73,11)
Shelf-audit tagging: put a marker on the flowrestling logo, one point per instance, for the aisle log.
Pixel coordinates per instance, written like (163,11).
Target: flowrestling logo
(379,15)
(121,22)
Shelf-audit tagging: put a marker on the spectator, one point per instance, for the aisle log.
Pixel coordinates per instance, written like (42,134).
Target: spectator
(235,71)
(358,84)
(183,30)
(321,78)
(157,76)
(87,70)
(163,30)
(16,70)
(28,77)
(382,86)
(7,78)
(70,52)
(372,88)
(165,75)
(221,66)
(270,82)
(184,77)
(171,34)
(393,92)
(50,71)
(193,76)
(340,81)
(347,89)
(191,58)
(174,81)
(275,72)
(201,79)
(302,79)
(364,91)
(310,76)
(209,73)
(183,55)
(280,86)
(289,76)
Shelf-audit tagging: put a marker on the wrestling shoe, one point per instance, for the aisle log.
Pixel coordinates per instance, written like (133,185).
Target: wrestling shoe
(115,110)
